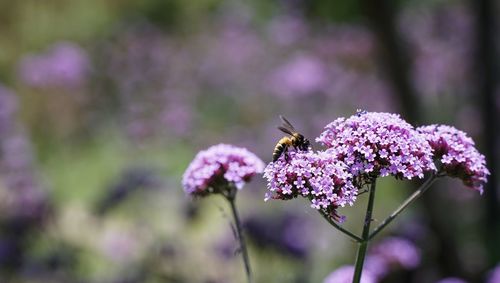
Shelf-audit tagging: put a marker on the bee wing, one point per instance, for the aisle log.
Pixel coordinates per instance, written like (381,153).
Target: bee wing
(287,123)
(285,130)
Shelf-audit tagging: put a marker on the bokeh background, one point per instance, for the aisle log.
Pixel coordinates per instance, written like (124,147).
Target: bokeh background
(104,103)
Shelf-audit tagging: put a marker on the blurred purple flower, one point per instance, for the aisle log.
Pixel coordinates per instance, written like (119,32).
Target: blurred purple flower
(226,247)
(178,118)
(289,233)
(415,230)
(119,245)
(302,75)
(238,45)
(376,265)
(494,275)
(443,43)
(378,144)
(65,65)
(219,166)
(287,30)
(345,273)
(26,199)
(468,118)
(349,43)
(134,179)
(16,153)
(319,177)
(230,58)
(358,89)
(397,252)
(452,280)
(458,155)
(155,80)
(138,61)
(296,236)
(23,201)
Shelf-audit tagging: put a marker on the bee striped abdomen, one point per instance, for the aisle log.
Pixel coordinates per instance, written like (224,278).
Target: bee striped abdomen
(281,147)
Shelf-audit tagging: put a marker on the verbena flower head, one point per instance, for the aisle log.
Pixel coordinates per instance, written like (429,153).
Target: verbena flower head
(219,166)
(320,177)
(378,144)
(397,252)
(457,154)
(345,273)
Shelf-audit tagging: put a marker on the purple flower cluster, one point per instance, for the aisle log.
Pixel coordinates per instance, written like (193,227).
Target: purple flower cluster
(63,65)
(290,233)
(220,165)
(494,275)
(393,253)
(319,177)
(378,144)
(457,154)
(19,183)
(440,54)
(303,75)
(345,273)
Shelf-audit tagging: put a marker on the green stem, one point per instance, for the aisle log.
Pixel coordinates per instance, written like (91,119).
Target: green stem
(345,231)
(363,246)
(426,185)
(244,253)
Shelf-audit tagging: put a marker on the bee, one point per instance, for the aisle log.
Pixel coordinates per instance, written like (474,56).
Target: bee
(295,139)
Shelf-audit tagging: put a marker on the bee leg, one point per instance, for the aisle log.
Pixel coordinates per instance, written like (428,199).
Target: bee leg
(285,153)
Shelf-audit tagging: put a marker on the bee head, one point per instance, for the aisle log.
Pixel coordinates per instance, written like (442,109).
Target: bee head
(300,142)
(305,144)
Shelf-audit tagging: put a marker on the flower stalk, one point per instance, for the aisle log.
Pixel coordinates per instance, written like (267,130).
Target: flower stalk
(338,227)
(231,198)
(223,169)
(363,245)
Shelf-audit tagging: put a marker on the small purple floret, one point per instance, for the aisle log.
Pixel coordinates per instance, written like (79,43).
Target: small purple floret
(457,154)
(377,145)
(220,165)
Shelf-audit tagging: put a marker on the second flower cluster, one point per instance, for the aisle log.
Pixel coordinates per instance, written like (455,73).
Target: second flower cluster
(366,146)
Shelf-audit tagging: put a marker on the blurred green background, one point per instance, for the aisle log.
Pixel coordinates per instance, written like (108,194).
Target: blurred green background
(104,103)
